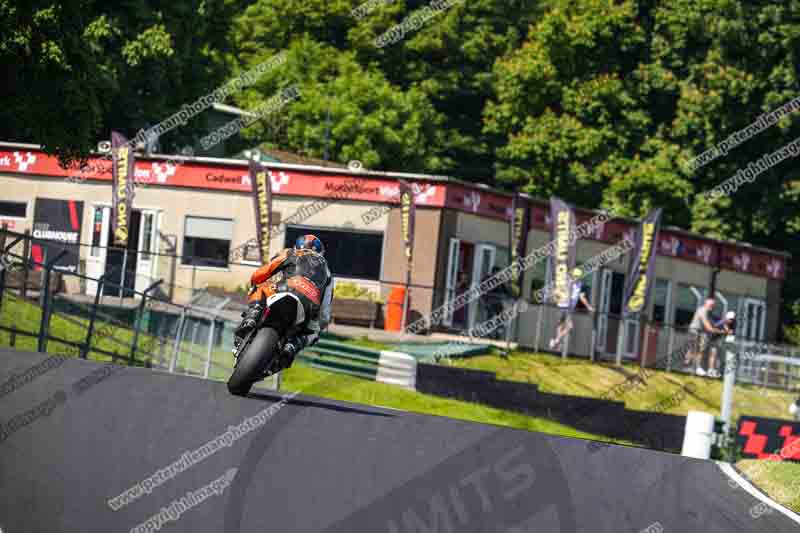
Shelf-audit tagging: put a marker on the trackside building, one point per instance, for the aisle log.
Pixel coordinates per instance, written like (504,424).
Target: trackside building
(201,209)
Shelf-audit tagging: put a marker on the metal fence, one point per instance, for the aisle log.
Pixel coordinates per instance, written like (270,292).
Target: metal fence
(148,330)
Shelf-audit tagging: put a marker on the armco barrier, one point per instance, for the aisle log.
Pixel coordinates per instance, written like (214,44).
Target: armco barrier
(395,368)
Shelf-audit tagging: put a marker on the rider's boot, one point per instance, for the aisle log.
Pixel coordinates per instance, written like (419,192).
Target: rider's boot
(290,349)
(250,319)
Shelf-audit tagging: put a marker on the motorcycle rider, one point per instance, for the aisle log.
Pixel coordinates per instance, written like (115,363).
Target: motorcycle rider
(303,272)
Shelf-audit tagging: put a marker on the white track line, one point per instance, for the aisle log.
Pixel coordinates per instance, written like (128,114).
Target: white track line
(747,486)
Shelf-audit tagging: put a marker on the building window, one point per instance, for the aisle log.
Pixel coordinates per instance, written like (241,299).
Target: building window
(207,241)
(147,236)
(13,209)
(97,231)
(350,254)
(689,299)
(661,300)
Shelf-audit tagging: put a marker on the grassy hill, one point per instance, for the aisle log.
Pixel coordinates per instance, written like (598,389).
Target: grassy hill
(581,377)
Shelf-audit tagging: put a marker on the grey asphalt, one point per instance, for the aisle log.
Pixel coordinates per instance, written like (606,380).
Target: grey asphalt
(318,465)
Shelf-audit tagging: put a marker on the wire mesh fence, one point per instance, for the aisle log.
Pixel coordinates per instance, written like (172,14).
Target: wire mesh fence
(143,329)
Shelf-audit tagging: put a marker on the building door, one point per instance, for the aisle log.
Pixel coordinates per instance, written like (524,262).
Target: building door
(96,261)
(483,263)
(105,258)
(603,305)
(145,262)
(452,277)
(612,286)
(121,262)
(755,314)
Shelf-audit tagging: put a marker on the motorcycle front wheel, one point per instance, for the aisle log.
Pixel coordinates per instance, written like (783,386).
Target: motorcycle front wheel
(253,360)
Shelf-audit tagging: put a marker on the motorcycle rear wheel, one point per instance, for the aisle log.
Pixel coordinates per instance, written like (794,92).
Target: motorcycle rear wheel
(253,360)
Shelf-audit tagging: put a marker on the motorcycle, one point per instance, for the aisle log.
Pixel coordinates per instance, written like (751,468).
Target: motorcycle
(260,354)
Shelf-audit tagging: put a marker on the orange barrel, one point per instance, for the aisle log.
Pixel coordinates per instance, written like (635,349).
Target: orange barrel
(394,309)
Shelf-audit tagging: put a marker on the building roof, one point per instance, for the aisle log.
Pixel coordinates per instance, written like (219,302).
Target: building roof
(333,168)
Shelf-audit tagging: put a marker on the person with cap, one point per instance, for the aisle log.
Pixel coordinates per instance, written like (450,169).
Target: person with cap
(578,293)
(727,325)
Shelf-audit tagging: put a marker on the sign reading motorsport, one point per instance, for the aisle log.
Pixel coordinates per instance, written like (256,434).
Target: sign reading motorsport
(262,200)
(407,214)
(562,220)
(642,265)
(518,237)
(121,187)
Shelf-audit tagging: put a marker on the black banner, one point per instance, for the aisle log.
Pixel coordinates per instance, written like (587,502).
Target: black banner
(768,438)
(122,174)
(641,269)
(58,221)
(518,237)
(262,201)
(562,231)
(407,214)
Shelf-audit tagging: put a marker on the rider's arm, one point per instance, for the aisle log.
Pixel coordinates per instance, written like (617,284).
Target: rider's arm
(265,272)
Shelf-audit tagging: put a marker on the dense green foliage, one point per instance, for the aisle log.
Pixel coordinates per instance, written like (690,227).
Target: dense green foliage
(603,103)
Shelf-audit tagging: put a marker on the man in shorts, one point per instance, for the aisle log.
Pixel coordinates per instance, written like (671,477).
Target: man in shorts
(565,323)
(699,330)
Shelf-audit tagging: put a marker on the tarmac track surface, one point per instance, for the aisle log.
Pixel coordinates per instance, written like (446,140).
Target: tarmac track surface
(319,465)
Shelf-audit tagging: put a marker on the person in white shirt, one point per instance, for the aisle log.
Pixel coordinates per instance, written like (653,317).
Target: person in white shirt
(565,323)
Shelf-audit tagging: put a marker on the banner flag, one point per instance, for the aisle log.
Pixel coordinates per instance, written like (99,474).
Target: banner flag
(518,237)
(58,224)
(641,269)
(122,176)
(407,214)
(262,202)
(562,231)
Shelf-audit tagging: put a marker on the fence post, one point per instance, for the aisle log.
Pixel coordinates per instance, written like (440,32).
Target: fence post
(44,325)
(139,319)
(44,277)
(217,309)
(88,343)
(122,280)
(4,262)
(593,349)
(645,344)
(26,262)
(162,342)
(670,343)
(622,334)
(178,337)
(195,324)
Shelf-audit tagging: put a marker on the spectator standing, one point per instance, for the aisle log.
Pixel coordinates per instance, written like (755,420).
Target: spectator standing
(565,323)
(700,329)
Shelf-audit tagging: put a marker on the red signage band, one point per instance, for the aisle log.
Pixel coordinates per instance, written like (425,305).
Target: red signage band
(451,195)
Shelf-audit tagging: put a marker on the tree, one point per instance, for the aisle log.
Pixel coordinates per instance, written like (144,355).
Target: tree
(607,102)
(73,70)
